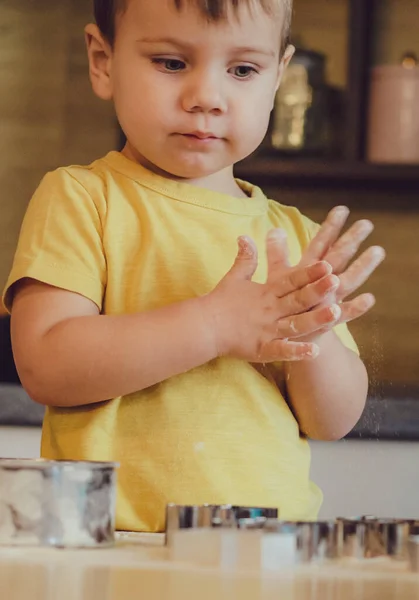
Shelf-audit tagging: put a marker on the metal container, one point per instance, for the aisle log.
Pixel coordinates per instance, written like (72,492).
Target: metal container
(57,503)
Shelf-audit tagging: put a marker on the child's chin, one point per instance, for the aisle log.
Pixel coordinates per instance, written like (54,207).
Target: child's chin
(185,170)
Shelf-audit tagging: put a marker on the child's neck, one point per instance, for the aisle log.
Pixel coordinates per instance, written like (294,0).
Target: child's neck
(222,181)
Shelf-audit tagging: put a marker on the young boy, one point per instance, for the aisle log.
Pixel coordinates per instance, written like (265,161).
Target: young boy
(151,341)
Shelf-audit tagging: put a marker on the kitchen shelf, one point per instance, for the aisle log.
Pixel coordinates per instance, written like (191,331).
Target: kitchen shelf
(350,170)
(270,168)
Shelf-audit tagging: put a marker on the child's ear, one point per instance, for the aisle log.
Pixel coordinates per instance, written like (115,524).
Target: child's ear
(288,54)
(99,53)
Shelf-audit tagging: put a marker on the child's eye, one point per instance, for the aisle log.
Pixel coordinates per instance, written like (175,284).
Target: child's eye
(170,64)
(244,71)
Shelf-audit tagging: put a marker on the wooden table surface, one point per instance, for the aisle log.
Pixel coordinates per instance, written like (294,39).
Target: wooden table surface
(138,567)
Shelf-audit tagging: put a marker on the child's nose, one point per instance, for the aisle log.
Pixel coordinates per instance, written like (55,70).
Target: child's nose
(204,93)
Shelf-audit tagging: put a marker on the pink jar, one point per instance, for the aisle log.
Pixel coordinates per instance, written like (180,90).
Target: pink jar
(393,125)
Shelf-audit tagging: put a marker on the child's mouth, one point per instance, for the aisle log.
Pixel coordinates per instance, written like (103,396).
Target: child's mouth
(201,137)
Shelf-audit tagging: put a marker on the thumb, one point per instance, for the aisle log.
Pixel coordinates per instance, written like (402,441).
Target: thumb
(246,261)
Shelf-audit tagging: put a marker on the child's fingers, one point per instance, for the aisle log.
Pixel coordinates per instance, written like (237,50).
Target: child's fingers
(309,322)
(306,298)
(359,271)
(353,309)
(299,277)
(348,245)
(327,234)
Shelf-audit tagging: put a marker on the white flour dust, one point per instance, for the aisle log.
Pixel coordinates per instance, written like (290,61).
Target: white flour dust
(375,369)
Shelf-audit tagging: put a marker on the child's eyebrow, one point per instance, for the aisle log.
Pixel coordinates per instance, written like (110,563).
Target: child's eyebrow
(186,46)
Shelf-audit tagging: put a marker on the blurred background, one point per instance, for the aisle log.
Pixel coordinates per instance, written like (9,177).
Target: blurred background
(345,130)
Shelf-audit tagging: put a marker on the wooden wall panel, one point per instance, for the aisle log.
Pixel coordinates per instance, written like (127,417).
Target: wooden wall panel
(48,114)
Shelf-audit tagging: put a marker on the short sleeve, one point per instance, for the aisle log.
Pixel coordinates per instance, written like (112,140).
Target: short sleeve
(60,241)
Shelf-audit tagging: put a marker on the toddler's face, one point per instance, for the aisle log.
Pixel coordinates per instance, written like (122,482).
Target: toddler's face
(194,97)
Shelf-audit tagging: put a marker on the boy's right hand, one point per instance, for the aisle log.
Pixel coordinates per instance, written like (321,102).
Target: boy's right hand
(254,321)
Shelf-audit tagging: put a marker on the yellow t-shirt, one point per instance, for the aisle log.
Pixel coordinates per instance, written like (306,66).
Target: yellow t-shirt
(133,241)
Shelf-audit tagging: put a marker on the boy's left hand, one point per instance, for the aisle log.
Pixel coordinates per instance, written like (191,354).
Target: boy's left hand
(338,252)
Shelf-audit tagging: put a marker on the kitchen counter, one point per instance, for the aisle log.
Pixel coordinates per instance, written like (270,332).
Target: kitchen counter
(138,567)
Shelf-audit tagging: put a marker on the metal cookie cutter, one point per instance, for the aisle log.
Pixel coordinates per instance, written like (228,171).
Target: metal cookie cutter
(214,535)
(351,537)
(413,527)
(57,503)
(413,552)
(308,541)
(387,537)
(212,515)
(372,537)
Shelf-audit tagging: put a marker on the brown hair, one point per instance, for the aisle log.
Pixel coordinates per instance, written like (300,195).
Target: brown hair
(105,12)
